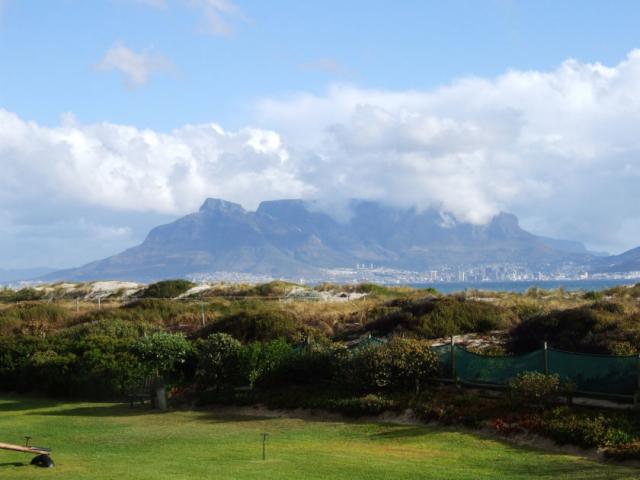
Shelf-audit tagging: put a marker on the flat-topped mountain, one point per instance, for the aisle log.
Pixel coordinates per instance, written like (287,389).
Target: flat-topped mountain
(289,238)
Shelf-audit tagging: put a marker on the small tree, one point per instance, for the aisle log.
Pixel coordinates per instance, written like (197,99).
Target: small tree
(163,354)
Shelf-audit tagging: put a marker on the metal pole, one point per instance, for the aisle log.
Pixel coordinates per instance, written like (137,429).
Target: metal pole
(546,359)
(635,397)
(99,303)
(202,313)
(264,445)
(453,359)
(77,304)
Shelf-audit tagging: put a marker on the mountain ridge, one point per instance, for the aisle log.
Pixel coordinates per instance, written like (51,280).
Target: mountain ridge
(292,237)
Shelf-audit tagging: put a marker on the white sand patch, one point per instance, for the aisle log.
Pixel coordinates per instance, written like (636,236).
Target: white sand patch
(195,290)
(102,289)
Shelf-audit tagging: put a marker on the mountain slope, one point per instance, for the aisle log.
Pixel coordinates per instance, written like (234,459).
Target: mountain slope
(628,261)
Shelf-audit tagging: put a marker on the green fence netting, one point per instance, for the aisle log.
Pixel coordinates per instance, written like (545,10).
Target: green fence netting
(444,357)
(601,374)
(596,373)
(475,368)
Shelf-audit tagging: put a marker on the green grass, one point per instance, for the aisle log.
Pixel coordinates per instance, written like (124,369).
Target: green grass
(108,441)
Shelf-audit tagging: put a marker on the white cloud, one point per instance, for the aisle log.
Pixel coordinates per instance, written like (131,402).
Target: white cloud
(559,145)
(125,168)
(218,15)
(136,67)
(558,148)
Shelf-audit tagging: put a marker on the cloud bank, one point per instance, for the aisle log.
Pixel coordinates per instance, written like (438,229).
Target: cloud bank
(558,148)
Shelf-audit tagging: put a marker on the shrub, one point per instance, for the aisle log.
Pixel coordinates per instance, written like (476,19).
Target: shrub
(534,388)
(370,404)
(314,364)
(219,365)
(400,365)
(435,317)
(592,295)
(90,360)
(259,360)
(256,326)
(591,329)
(32,318)
(15,357)
(22,295)
(167,289)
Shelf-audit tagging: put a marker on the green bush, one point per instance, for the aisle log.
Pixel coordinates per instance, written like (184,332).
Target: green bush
(370,404)
(219,362)
(596,328)
(534,388)
(34,318)
(167,289)
(15,358)
(400,365)
(22,295)
(259,360)
(436,317)
(314,364)
(588,431)
(251,326)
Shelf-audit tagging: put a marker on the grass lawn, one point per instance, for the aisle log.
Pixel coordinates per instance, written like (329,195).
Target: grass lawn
(106,441)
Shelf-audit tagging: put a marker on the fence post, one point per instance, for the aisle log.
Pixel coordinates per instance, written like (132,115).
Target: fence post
(546,359)
(453,359)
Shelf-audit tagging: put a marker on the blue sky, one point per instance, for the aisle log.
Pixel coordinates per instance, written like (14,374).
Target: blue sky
(49,50)
(480,98)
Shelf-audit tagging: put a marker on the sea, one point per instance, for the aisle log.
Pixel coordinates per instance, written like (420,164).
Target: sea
(524,285)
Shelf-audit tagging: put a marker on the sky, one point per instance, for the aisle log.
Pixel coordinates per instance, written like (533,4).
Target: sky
(119,115)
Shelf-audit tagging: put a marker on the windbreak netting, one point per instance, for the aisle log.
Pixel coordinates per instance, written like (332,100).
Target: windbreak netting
(444,357)
(596,373)
(476,368)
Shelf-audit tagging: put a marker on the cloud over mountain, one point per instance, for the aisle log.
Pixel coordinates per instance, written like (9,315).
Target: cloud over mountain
(559,148)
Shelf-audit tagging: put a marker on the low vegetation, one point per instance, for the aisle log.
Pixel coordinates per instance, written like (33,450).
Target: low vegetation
(357,350)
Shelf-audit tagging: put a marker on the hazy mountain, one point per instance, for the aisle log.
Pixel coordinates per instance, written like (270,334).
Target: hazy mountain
(625,262)
(288,238)
(16,275)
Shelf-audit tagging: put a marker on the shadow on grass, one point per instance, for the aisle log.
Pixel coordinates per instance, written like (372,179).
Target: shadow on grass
(397,432)
(14,464)
(124,410)
(221,417)
(14,403)
(115,410)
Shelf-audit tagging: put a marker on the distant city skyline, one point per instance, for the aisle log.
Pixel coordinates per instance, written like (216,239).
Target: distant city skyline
(119,115)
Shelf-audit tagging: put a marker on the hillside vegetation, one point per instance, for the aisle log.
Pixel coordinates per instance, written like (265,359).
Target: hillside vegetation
(358,350)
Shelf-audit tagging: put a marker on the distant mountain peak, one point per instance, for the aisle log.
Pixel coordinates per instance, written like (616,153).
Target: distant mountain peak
(222,206)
